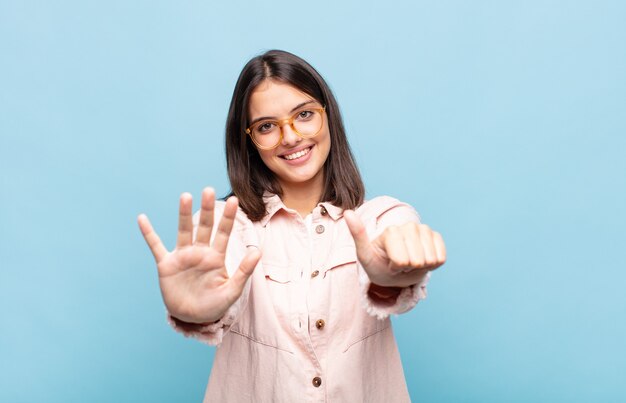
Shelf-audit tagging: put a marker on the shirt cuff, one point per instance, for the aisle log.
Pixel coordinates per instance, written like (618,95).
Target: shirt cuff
(211,333)
(405,301)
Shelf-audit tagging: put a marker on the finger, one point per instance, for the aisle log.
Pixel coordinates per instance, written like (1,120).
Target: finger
(413,245)
(395,248)
(430,255)
(246,268)
(226,225)
(152,239)
(185,226)
(359,234)
(205,226)
(440,248)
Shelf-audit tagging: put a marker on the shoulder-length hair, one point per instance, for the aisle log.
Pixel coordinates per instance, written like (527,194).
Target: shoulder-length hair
(248,175)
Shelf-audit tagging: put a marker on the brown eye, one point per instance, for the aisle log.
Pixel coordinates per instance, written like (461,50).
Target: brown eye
(265,127)
(305,115)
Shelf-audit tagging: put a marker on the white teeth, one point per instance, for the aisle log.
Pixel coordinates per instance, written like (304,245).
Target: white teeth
(298,154)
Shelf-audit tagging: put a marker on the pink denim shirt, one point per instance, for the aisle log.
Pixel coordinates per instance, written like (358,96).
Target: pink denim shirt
(305,328)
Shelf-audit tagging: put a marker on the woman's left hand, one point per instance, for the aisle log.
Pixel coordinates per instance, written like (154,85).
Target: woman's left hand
(401,255)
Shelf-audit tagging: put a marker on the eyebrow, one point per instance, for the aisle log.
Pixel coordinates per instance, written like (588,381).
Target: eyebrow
(295,108)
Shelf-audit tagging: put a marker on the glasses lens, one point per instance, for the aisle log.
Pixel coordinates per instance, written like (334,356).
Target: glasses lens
(266,134)
(308,122)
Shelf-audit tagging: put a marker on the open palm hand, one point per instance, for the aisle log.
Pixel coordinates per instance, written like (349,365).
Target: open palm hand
(194,282)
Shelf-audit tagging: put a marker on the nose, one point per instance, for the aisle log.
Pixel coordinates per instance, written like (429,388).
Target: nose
(290,137)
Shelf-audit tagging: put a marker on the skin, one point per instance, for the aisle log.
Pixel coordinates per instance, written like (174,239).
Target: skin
(195,285)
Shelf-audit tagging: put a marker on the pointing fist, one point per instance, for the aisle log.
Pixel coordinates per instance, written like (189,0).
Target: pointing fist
(401,255)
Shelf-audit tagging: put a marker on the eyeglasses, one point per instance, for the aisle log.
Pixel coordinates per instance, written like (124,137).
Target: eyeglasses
(307,122)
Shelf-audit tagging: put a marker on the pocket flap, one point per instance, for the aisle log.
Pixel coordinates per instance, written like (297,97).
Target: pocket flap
(279,274)
(342,255)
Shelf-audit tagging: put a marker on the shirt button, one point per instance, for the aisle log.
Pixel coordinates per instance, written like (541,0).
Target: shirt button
(317,381)
(319,229)
(324,211)
(315,273)
(320,324)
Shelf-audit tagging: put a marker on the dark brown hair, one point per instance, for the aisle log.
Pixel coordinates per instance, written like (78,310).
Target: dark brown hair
(249,177)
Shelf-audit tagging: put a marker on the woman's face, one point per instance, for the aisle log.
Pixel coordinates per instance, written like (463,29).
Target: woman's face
(296,161)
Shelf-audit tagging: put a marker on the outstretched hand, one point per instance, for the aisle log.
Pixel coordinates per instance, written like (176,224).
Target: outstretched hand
(401,255)
(194,282)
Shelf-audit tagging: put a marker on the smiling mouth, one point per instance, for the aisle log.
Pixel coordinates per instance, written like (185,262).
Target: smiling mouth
(298,154)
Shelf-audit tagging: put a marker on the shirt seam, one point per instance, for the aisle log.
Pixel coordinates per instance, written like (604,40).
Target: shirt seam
(365,337)
(258,341)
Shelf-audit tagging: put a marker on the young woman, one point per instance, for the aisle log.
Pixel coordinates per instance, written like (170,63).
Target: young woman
(296,276)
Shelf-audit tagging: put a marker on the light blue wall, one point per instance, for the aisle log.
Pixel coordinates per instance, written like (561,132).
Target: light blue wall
(502,122)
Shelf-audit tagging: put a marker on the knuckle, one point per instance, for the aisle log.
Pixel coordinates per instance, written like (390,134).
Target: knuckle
(417,263)
(401,263)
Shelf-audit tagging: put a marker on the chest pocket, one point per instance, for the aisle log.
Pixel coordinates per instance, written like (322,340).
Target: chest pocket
(268,313)
(279,289)
(342,273)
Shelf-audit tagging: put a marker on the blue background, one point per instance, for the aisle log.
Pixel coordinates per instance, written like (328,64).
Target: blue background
(502,122)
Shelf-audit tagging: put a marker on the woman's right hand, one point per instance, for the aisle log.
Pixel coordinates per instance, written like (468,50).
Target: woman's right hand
(195,285)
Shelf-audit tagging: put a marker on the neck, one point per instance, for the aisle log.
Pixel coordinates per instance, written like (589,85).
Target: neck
(303,197)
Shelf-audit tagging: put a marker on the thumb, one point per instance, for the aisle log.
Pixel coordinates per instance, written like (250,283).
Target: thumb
(359,234)
(246,268)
